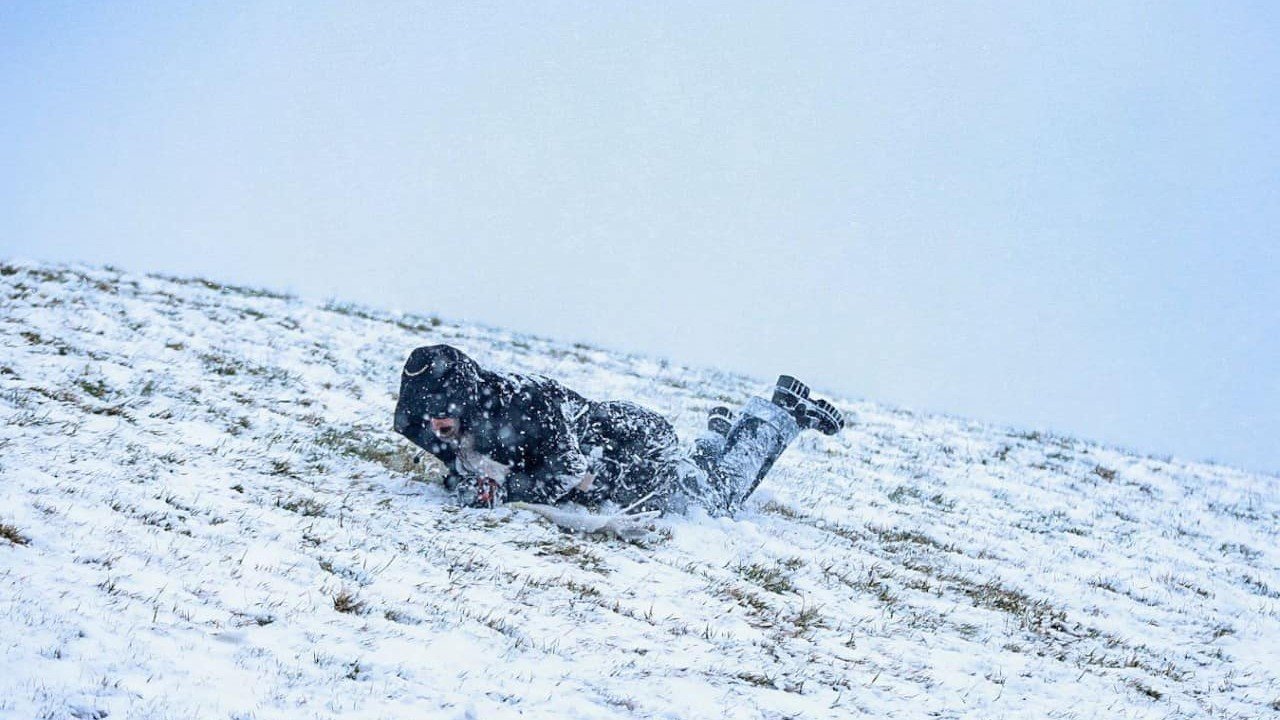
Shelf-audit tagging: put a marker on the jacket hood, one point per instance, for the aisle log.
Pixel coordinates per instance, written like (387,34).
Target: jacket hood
(441,381)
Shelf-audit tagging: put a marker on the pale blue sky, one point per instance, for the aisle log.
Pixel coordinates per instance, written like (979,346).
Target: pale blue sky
(1046,217)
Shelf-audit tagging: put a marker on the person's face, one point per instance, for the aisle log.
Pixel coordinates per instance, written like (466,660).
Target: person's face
(445,428)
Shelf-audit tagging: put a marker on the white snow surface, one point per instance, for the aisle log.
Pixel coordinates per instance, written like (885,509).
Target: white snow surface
(207,516)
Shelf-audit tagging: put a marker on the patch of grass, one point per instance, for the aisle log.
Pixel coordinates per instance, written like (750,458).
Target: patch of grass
(354,310)
(1240,549)
(57,395)
(1240,511)
(48,275)
(897,535)
(901,493)
(223,288)
(678,383)
(1105,473)
(228,366)
(1105,584)
(304,506)
(345,601)
(1031,614)
(220,364)
(771,578)
(1146,690)
(807,619)
(579,554)
(30,418)
(1258,587)
(775,508)
(500,624)
(34,338)
(417,323)
(942,502)
(757,679)
(748,600)
(1172,580)
(623,702)
(368,446)
(581,589)
(10,533)
(872,581)
(259,619)
(400,618)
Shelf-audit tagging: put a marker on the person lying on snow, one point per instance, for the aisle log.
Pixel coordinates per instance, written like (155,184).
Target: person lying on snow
(507,437)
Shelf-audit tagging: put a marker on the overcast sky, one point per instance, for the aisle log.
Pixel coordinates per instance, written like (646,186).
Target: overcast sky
(1062,218)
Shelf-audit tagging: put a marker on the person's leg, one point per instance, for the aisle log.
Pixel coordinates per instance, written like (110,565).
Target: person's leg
(730,459)
(755,442)
(709,445)
(725,468)
(733,455)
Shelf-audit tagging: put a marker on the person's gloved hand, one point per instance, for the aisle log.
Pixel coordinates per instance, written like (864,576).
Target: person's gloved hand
(488,493)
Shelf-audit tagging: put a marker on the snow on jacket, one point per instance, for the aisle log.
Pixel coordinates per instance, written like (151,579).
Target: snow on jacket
(542,438)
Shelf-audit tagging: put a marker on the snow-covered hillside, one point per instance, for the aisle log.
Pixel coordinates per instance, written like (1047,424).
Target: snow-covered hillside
(204,514)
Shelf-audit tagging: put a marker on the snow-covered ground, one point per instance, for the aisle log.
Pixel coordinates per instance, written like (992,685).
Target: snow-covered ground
(204,514)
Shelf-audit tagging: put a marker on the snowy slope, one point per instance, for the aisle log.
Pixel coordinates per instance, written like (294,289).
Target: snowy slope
(203,513)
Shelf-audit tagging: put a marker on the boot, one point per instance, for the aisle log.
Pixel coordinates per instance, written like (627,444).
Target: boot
(720,420)
(789,392)
(793,396)
(822,416)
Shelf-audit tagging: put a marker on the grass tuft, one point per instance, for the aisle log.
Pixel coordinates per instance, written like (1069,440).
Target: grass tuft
(757,679)
(583,556)
(771,578)
(345,601)
(304,506)
(10,533)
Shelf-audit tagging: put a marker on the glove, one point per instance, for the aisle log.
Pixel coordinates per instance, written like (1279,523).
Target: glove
(489,494)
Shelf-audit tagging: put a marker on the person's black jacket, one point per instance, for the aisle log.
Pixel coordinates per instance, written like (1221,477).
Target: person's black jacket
(549,436)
